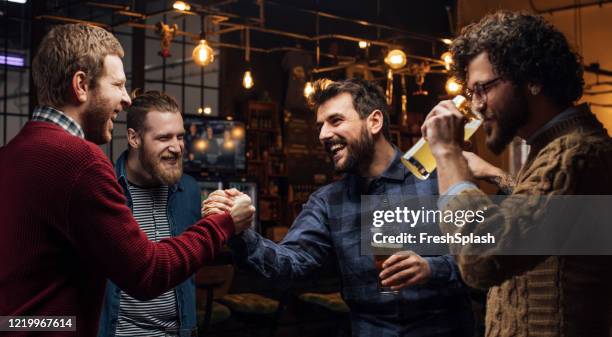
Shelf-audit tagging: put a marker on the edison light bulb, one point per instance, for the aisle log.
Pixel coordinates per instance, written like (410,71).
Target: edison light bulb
(203,55)
(181,6)
(247,80)
(308,89)
(452,86)
(396,59)
(447,57)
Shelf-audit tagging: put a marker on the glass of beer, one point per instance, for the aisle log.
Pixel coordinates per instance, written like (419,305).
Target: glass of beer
(420,161)
(382,251)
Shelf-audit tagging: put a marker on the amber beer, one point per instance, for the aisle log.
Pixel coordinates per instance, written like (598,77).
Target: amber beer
(382,251)
(419,159)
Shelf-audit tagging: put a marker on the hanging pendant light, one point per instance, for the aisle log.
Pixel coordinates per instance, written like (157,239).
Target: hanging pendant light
(447,58)
(203,54)
(308,89)
(247,79)
(396,59)
(452,86)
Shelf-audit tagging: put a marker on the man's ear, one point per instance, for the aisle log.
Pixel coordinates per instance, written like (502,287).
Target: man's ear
(375,121)
(133,138)
(80,87)
(534,88)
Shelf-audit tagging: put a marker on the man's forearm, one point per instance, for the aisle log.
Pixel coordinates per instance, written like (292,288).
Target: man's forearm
(452,169)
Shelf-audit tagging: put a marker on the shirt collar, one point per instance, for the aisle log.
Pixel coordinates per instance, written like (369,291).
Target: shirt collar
(564,115)
(52,115)
(395,171)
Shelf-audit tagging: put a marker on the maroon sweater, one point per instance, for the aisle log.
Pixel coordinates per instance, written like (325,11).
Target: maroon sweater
(65,228)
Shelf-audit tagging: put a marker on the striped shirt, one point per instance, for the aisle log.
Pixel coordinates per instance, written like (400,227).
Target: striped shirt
(52,115)
(149,318)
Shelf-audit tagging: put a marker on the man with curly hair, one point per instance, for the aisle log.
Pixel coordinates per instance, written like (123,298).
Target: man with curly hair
(521,74)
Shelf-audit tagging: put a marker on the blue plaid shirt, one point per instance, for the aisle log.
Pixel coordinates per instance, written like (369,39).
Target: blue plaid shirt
(51,115)
(328,227)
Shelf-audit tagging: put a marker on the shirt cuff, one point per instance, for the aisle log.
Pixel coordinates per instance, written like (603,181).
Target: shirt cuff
(243,244)
(454,190)
(440,270)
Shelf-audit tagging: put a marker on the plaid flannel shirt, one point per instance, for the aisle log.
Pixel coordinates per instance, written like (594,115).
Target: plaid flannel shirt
(52,115)
(329,227)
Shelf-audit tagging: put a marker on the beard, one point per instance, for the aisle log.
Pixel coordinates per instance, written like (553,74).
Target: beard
(97,124)
(358,153)
(152,164)
(507,123)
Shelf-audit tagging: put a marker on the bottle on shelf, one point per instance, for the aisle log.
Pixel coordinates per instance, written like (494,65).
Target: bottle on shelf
(419,159)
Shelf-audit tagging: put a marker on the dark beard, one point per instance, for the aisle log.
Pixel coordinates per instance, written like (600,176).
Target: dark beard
(152,165)
(508,124)
(359,153)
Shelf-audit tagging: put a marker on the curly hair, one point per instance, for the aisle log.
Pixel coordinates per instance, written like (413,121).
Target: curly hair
(367,97)
(523,48)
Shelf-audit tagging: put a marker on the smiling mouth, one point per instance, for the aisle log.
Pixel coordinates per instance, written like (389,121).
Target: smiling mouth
(334,149)
(170,160)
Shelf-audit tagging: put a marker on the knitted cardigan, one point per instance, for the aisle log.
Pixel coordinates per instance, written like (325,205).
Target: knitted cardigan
(543,295)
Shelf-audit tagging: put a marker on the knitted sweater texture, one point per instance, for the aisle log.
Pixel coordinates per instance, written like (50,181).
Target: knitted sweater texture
(65,228)
(552,296)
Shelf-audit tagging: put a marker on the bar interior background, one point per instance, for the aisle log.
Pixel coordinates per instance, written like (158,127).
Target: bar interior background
(283,162)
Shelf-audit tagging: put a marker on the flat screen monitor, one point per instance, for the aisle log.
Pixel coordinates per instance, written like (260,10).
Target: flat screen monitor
(214,145)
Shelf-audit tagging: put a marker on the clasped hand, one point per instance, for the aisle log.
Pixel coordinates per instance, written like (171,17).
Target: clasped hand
(237,204)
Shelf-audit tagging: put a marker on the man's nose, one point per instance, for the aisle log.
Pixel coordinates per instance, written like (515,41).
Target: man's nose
(176,146)
(126,101)
(325,133)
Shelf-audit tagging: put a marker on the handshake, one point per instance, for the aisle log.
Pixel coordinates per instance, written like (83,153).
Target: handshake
(237,204)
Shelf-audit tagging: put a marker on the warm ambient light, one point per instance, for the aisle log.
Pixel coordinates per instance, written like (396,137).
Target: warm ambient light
(247,80)
(229,145)
(203,55)
(238,132)
(201,145)
(396,59)
(181,6)
(364,44)
(207,110)
(452,86)
(447,41)
(308,89)
(447,57)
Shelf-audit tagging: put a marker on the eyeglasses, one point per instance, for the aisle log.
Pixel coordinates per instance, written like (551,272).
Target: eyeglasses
(478,95)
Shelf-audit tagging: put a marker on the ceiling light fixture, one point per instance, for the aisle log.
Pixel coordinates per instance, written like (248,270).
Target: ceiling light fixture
(396,59)
(452,86)
(308,89)
(181,6)
(447,58)
(247,79)
(203,54)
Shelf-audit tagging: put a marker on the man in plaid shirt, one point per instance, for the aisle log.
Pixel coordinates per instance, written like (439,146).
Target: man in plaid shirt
(354,128)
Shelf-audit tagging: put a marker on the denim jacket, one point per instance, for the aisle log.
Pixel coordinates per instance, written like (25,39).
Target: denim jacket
(183,211)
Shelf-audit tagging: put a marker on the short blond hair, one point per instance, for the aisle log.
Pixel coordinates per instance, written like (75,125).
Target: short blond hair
(65,50)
